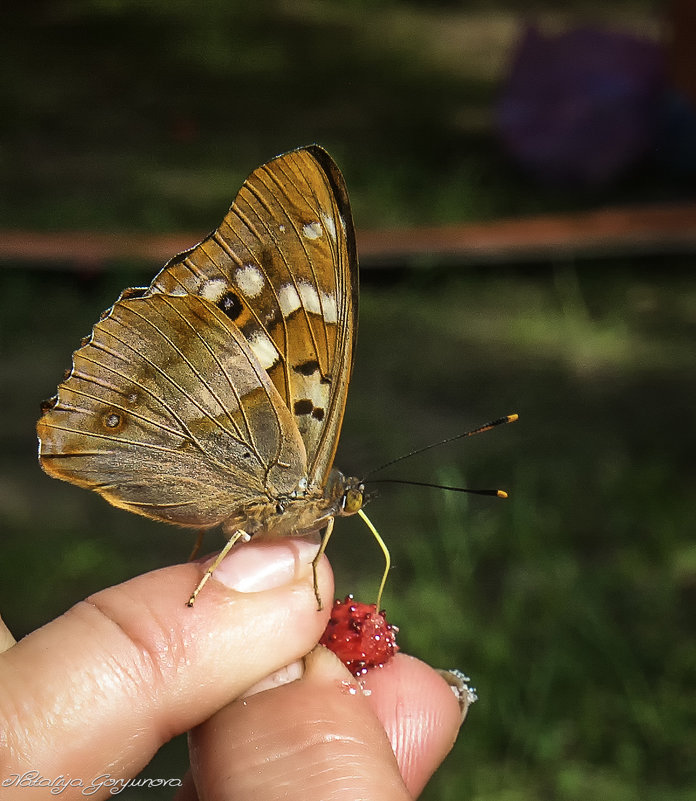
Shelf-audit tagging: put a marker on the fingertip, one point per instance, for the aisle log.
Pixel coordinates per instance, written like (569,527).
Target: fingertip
(318,727)
(420,713)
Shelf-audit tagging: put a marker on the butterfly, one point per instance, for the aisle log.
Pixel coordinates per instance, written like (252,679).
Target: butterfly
(215,396)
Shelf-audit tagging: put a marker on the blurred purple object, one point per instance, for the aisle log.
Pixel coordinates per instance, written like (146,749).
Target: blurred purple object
(580,107)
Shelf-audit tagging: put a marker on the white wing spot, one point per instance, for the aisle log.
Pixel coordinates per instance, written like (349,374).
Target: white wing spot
(329,224)
(312,230)
(308,387)
(288,299)
(328,306)
(264,350)
(281,228)
(310,297)
(213,290)
(250,280)
(324,305)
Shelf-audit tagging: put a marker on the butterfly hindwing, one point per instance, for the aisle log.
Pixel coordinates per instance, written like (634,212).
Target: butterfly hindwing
(283,267)
(166,412)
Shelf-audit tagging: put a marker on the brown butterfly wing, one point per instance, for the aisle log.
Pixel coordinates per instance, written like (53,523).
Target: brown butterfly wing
(167,413)
(283,266)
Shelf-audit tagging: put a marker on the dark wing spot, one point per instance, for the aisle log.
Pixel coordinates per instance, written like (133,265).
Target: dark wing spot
(113,421)
(272,318)
(180,258)
(266,259)
(47,405)
(133,292)
(231,305)
(307,368)
(304,406)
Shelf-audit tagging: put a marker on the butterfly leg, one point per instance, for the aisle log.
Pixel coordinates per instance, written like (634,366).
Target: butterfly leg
(315,561)
(197,545)
(235,538)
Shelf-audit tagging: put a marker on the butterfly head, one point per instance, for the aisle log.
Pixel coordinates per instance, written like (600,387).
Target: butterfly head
(353,500)
(345,494)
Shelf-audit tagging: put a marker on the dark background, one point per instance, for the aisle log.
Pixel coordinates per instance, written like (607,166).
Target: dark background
(570,604)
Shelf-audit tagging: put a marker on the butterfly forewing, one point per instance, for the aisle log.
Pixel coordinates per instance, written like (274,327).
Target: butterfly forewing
(168,413)
(282,266)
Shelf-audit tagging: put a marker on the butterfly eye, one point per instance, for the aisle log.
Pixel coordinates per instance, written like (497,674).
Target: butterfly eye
(352,501)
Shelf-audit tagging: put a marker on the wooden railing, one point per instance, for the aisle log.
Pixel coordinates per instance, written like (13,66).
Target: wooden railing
(617,231)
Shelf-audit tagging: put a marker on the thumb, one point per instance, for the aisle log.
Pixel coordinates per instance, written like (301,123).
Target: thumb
(100,689)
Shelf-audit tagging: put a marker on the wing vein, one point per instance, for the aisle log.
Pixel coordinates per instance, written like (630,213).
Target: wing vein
(174,383)
(230,382)
(108,438)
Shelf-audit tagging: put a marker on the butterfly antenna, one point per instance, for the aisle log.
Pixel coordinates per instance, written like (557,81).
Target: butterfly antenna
(385,551)
(510,418)
(493,492)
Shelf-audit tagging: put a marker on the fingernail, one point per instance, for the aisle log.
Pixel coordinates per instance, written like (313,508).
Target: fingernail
(459,684)
(291,672)
(258,566)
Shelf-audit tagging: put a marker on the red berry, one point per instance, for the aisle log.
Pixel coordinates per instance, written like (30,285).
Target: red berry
(359,635)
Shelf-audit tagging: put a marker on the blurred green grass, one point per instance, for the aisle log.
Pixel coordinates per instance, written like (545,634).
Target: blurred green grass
(570,604)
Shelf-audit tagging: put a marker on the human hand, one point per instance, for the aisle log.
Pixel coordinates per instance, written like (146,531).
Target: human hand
(88,699)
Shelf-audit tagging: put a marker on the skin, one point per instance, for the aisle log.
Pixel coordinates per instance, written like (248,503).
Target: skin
(97,691)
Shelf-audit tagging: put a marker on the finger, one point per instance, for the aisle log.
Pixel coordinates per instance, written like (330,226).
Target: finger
(307,740)
(101,688)
(420,712)
(187,792)
(286,674)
